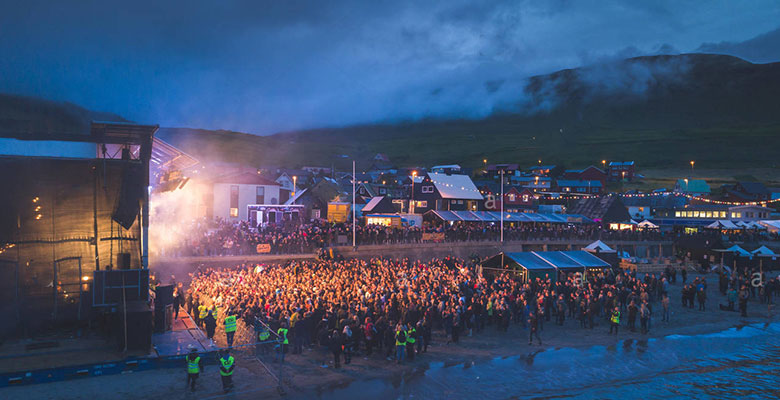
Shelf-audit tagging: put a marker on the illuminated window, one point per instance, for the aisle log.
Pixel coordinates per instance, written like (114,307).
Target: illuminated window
(736,215)
(723,214)
(421,203)
(512,197)
(678,214)
(233,212)
(709,214)
(689,214)
(525,198)
(696,214)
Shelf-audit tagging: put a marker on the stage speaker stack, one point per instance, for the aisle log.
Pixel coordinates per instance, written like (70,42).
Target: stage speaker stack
(163,309)
(139,326)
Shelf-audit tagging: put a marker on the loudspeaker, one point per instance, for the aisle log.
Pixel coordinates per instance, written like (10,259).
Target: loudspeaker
(123,261)
(163,318)
(139,326)
(163,296)
(130,194)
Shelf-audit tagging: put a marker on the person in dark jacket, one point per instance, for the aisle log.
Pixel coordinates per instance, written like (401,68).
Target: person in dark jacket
(334,345)
(533,328)
(211,325)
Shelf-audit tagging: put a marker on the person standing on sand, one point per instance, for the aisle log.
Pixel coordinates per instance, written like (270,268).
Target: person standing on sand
(400,343)
(334,345)
(614,321)
(644,317)
(665,305)
(533,325)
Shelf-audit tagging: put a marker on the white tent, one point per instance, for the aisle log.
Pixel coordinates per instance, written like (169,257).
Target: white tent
(755,225)
(739,250)
(771,225)
(599,246)
(722,224)
(647,224)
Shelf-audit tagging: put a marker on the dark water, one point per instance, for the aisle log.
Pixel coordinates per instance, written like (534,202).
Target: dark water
(738,363)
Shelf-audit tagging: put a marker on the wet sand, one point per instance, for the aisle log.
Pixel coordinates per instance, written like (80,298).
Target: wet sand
(312,375)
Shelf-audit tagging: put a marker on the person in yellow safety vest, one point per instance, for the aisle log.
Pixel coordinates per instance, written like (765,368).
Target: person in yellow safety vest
(400,343)
(614,321)
(230,328)
(263,337)
(194,366)
(203,311)
(410,339)
(283,342)
(226,365)
(215,311)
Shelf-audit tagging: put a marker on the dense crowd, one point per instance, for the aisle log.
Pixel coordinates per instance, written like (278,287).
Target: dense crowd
(220,237)
(393,306)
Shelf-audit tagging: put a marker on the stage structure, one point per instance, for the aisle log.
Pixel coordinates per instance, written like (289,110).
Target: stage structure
(75,206)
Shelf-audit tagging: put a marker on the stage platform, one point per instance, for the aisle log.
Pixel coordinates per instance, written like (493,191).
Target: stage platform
(66,356)
(184,336)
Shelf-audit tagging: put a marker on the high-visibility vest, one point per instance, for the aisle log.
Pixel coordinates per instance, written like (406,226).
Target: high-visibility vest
(203,311)
(214,312)
(398,342)
(193,367)
(410,336)
(264,335)
(230,323)
(615,317)
(226,364)
(283,333)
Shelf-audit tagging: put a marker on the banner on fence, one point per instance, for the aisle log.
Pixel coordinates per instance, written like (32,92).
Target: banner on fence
(263,248)
(433,237)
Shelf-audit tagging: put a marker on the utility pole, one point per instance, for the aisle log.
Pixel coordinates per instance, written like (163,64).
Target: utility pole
(354,241)
(502,206)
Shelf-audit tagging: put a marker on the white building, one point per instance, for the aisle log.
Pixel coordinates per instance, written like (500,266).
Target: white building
(232,194)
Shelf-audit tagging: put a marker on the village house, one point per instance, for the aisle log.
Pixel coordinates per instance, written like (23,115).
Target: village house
(579,187)
(621,170)
(445,192)
(590,173)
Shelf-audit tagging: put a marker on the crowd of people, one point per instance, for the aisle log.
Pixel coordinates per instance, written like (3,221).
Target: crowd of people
(221,237)
(391,307)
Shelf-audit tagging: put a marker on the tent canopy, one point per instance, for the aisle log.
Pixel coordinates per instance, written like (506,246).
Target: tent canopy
(599,246)
(764,251)
(494,216)
(771,225)
(739,250)
(552,260)
(723,224)
(647,224)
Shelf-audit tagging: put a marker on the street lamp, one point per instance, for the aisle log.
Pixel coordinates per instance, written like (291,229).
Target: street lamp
(692,162)
(604,163)
(411,203)
(295,187)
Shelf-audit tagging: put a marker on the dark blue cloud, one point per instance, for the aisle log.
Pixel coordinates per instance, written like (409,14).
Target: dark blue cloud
(265,66)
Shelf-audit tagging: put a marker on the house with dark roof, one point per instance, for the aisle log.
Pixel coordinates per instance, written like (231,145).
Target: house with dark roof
(590,173)
(446,192)
(579,187)
(621,170)
(315,198)
(746,191)
(380,205)
(603,209)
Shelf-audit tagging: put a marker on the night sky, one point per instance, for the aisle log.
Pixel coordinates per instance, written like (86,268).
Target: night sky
(267,66)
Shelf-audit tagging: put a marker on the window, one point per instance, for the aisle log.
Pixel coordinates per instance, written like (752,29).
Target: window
(525,198)
(582,189)
(709,214)
(511,197)
(260,197)
(696,214)
(689,214)
(421,203)
(315,214)
(678,214)
(234,201)
(736,215)
(723,214)
(427,189)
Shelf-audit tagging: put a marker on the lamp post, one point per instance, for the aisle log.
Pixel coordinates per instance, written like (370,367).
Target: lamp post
(295,186)
(411,203)
(692,162)
(604,164)
(354,223)
(502,206)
